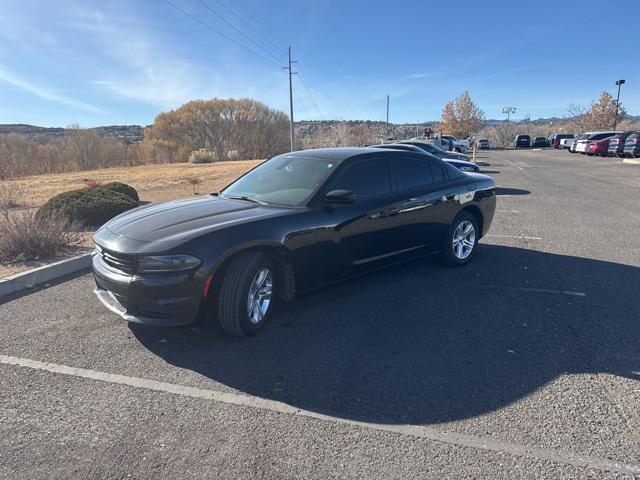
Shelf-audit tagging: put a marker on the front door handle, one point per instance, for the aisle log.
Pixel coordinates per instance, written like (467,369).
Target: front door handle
(450,196)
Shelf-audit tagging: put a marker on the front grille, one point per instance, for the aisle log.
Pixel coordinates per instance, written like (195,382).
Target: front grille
(123,263)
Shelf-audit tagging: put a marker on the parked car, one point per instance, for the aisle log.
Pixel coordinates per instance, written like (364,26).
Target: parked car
(540,142)
(522,141)
(599,147)
(632,145)
(458,144)
(617,143)
(556,138)
(459,164)
(583,143)
(574,144)
(566,143)
(483,143)
(434,149)
(295,222)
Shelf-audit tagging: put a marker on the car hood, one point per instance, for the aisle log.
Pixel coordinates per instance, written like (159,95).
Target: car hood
(180,220)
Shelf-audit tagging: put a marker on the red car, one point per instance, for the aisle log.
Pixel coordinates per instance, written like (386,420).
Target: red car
(599,147)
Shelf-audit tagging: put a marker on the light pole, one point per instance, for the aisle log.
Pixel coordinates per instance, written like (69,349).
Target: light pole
(615,121)
(508,111)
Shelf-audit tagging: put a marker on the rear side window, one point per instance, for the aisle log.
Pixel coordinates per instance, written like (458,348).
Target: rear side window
(600,136)
(413,173)
(439,175)
(365,178)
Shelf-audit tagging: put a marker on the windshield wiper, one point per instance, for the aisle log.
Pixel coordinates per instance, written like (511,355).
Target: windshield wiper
(245,198)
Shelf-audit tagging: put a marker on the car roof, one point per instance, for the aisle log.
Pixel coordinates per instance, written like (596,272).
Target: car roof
(398,146)
(333,154)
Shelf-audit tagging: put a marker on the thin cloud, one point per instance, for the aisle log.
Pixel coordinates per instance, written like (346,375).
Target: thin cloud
(17,81)
(416,76)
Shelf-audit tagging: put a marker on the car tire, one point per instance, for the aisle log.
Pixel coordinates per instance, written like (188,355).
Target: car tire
(236,311)
(454,253)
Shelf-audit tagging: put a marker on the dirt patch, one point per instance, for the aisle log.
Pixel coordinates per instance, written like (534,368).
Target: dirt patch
(153,182)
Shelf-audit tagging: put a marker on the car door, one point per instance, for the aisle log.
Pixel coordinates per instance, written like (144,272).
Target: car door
(427,203)
(355,237)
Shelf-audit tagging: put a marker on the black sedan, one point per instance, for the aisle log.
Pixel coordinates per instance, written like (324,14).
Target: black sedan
(293,223)
(539,142)
(459,164)
(435,150)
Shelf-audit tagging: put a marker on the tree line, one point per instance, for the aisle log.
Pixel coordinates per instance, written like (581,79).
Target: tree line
(236,129)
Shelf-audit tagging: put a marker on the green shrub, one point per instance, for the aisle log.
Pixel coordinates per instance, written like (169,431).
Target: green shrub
(203,156)
(122,188)
(88,206)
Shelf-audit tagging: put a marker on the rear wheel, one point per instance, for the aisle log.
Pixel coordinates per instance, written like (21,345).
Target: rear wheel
(246,294)
(460,244)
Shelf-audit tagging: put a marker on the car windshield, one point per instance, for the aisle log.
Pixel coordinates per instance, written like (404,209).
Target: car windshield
(287,180)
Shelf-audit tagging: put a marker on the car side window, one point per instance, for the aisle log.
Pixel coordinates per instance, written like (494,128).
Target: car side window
(365,178)
(439,175)
(413,173)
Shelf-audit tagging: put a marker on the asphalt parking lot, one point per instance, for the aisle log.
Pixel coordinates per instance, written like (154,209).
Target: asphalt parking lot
(523,364)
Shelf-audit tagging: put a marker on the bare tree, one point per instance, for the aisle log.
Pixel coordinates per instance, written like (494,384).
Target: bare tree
(577,115)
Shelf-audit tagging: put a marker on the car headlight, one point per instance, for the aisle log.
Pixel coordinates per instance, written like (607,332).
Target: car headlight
(167,263)
(467,169)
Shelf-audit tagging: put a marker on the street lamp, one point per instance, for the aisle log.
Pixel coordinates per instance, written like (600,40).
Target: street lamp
(615,122)
(508,111)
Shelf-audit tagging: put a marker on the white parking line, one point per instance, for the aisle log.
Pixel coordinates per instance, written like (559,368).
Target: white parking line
(508,211)
(515,236)
(515,164)
(420,431)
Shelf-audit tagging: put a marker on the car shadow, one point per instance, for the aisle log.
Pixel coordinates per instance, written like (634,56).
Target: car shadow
(423,344)
(511,191)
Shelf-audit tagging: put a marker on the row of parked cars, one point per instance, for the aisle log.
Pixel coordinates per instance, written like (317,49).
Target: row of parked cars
(612,143)
(606,144)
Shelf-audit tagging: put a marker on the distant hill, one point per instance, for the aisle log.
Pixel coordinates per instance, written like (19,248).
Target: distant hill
(125,133)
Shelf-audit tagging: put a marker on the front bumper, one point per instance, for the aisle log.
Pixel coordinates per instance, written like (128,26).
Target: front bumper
(158,300)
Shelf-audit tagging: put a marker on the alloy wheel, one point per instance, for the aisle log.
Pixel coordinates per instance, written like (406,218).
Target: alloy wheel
(464,239)
(259,298)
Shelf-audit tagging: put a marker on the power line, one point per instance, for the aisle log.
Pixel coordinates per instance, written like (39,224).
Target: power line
(309,91)
(280,48)
(259,21)
(204,4)
(299,100)
(205,24)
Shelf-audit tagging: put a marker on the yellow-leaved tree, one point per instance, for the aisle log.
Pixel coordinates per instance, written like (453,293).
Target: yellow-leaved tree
(461,117)
(602,113)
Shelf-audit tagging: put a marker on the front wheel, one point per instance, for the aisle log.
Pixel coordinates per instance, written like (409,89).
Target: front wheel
(460,244)
(246,294)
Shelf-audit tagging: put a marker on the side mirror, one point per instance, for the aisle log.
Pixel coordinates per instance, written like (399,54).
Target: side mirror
(340,196)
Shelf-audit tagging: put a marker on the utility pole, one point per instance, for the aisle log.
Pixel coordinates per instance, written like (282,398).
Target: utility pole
(615,122)
(291,124)
(387,131)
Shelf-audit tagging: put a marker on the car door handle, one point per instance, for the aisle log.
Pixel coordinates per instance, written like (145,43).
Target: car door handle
(450,196)
(392,212)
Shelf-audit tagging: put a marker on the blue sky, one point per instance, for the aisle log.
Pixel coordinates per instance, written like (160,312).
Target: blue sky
(92,62)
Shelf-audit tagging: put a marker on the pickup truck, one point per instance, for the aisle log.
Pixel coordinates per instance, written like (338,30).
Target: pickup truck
(458,145)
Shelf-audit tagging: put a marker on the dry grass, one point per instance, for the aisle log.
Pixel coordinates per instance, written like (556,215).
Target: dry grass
(153,182)
(11,195)
(25,236)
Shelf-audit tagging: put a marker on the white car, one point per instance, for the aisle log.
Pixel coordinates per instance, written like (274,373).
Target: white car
(583,142)
(566,143)
(458,145)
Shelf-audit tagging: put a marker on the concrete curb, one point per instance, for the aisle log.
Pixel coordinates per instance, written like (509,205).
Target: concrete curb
(634,161)
(46,273)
